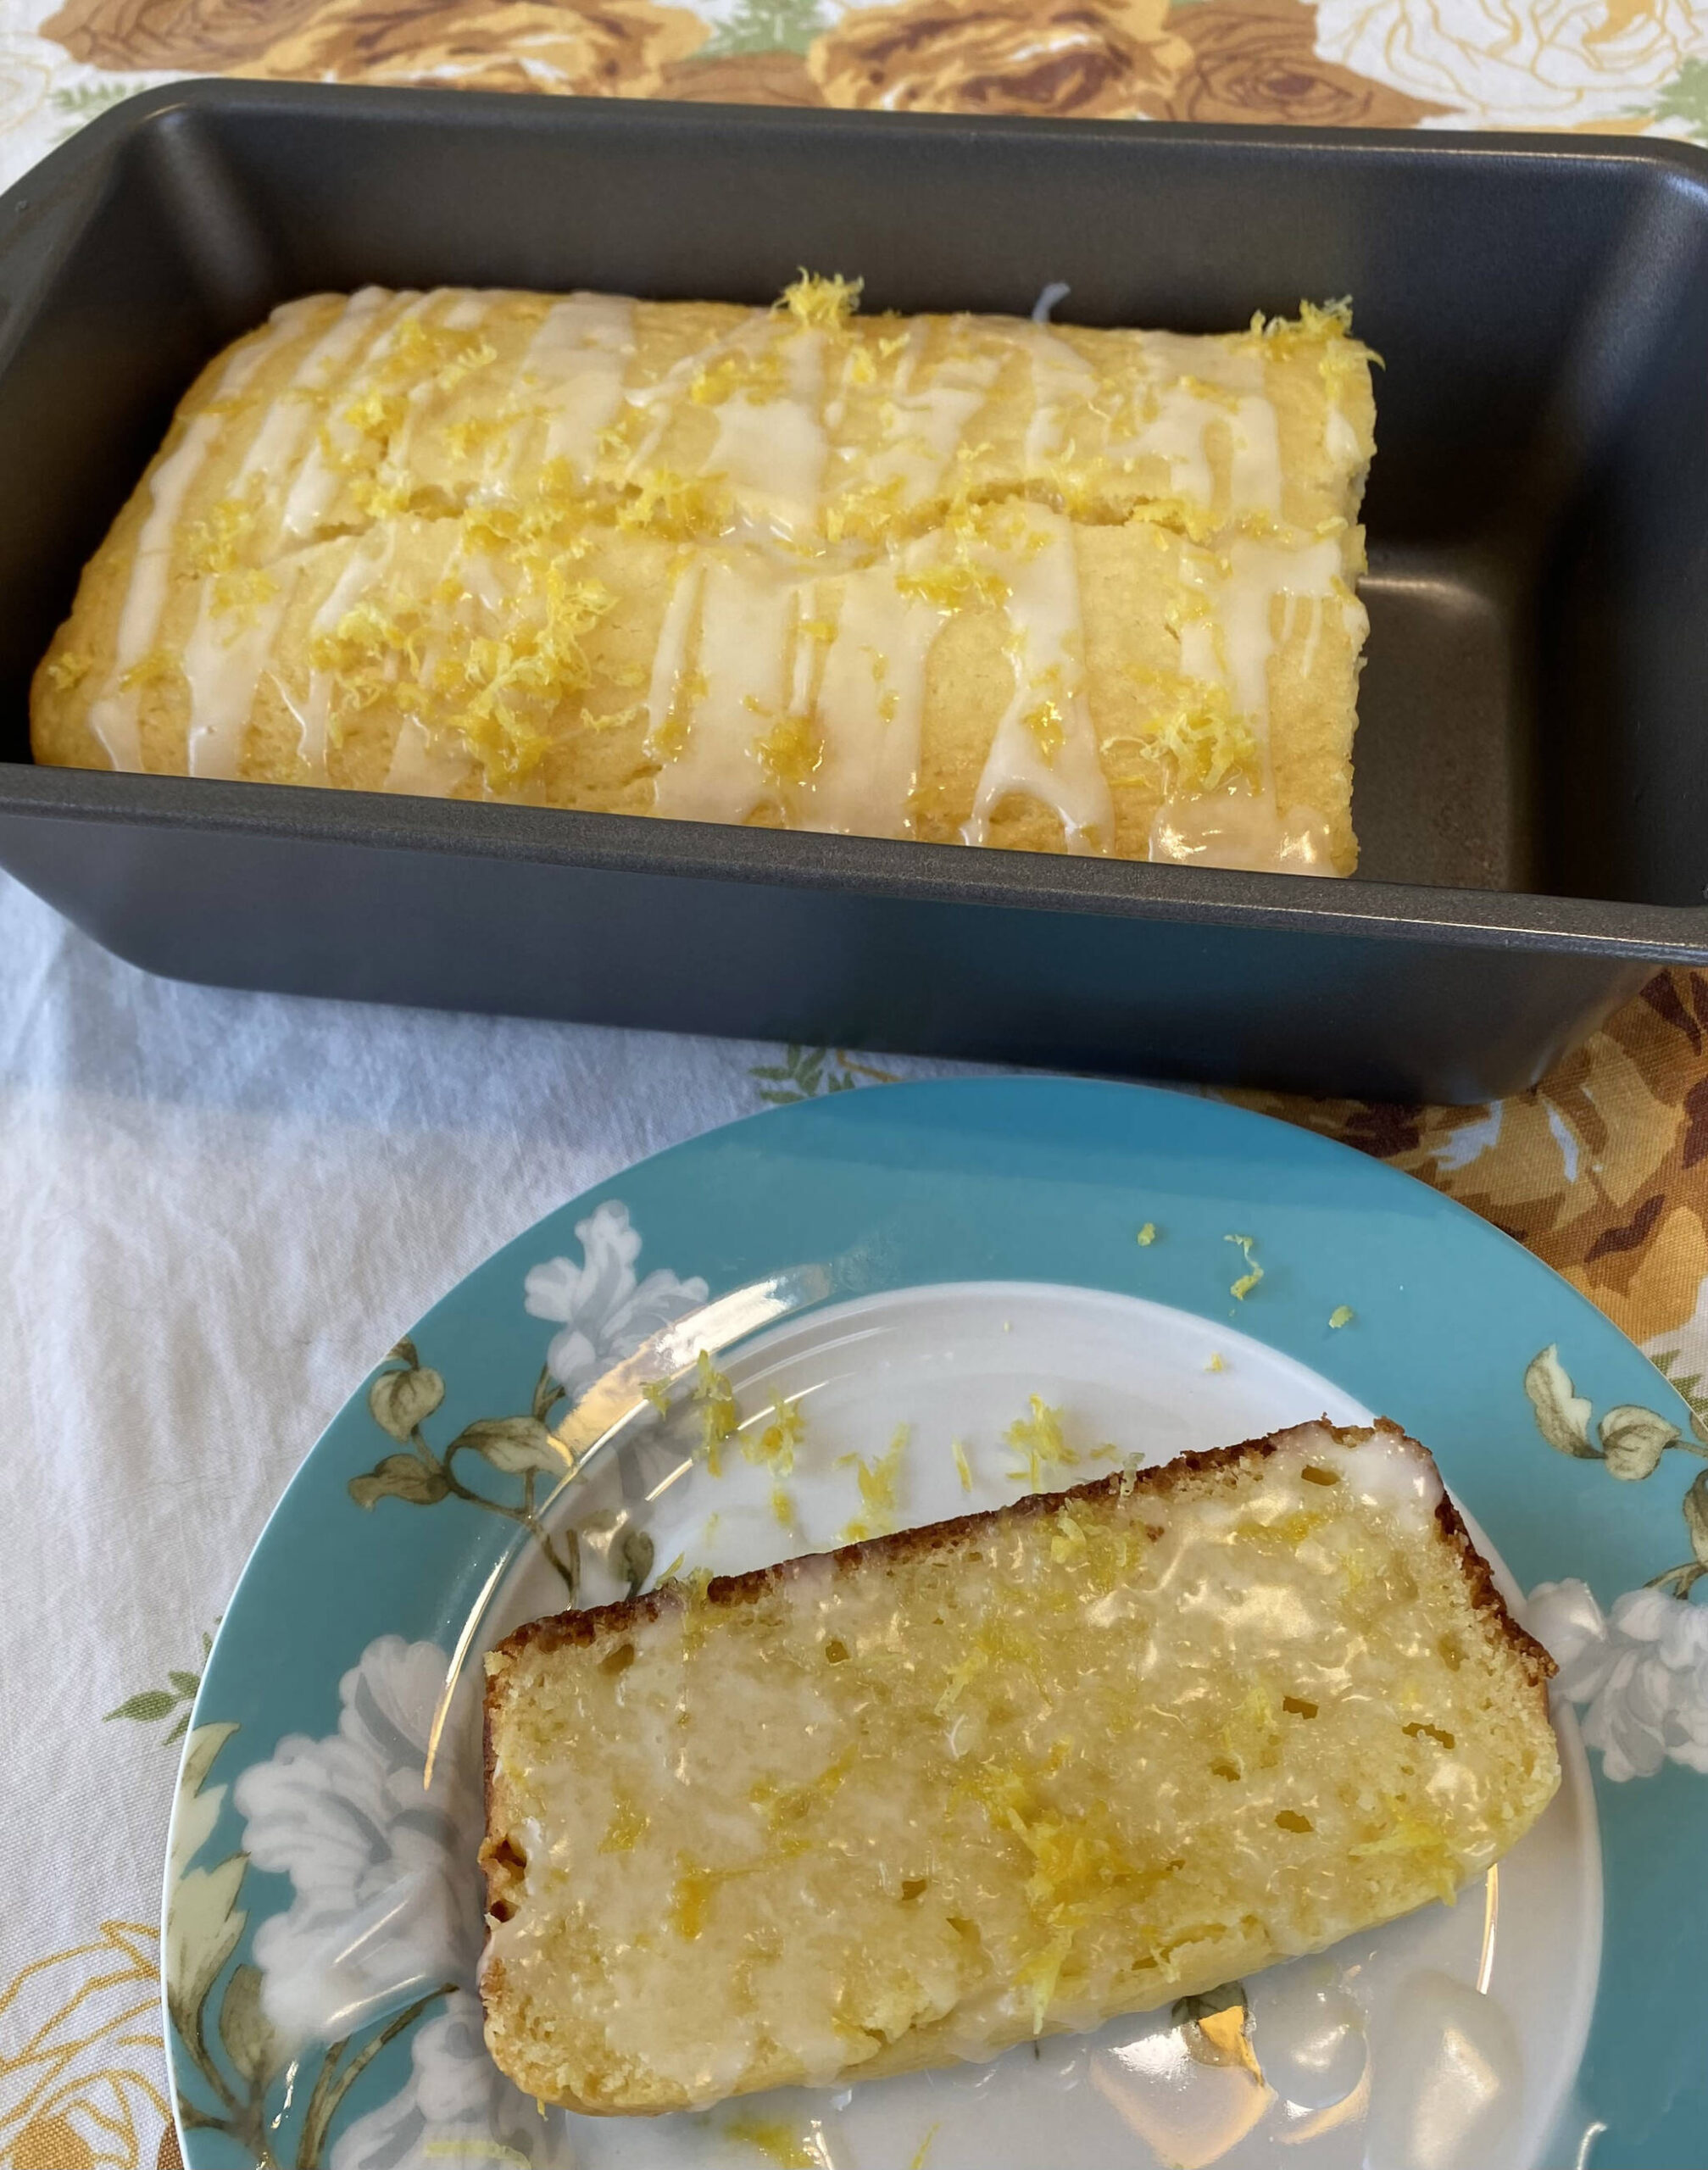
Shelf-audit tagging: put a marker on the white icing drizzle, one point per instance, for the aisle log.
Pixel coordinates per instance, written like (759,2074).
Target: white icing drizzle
(467,313)
(772,452)
(669,657)
(1177,434)
(423,765)
(367,565)
(663,399)
(224,659)
(317,481)
(871,703)
(114,712)
(1255,476)
(1177,431)
(909,359)
(1238,829)
(1048,666)
(1059,377)
(1169,356)
(927,427)
(278,440)
(1257,573)
(807,652)
(746,612)
(577,357)
(1339,438)
(222,665)
(1231,645)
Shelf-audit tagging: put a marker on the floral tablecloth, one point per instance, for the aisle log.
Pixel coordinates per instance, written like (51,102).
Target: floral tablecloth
(218,1208)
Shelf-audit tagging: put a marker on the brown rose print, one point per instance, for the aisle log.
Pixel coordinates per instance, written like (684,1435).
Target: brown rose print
(1256,60)
(742,79)
(1601,1170)
(619,48)
(1056,56)
(167,34)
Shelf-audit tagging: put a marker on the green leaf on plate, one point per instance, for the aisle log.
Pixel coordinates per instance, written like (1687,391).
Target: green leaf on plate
(1562,1416)
(1634,1440)
(245,2029)
(399,1400)
(401,1476)
(513,1444)
(1696,1516)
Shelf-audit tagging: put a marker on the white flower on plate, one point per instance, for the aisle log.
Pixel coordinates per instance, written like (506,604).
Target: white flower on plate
(1640,1674)
(1553,64)
(386,1901)
(604,1312)
(457,2112)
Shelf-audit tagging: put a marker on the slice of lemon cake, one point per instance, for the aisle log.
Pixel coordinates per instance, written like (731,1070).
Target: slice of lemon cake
(921,1799)
(957,578)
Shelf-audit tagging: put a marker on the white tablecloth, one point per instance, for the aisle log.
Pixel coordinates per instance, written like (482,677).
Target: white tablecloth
(218,1210)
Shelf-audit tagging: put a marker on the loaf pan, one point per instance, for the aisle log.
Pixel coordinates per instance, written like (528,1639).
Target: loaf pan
(1532,756)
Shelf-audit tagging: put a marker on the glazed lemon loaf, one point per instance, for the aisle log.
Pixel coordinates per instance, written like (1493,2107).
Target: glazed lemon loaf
(923,1798)
(959,578)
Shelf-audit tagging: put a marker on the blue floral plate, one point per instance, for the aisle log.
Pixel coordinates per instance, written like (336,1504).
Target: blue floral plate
(908,1267)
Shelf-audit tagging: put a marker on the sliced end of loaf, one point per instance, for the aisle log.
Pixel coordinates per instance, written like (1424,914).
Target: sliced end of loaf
(822,1781)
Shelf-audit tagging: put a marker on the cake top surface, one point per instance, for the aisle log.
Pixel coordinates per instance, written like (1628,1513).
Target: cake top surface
(724,558)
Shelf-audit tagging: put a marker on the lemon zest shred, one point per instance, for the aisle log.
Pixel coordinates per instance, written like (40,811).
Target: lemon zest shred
(68,670)
(213,545)
(877,1481)
(157,668)
(1190,732)
(1146,1235)
(719,1419)
(821,302)
(616,719)
(791,752)
(1342,1315)
(1043,721)
(1039,1437)
(969,1668)
(963,1467)
(1241,1289)
(626,1828)
(776,1443)
(776,2141)
(679,507)
(243,591)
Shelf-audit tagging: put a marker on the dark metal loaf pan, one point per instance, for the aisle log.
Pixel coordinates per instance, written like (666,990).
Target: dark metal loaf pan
(1533,770)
